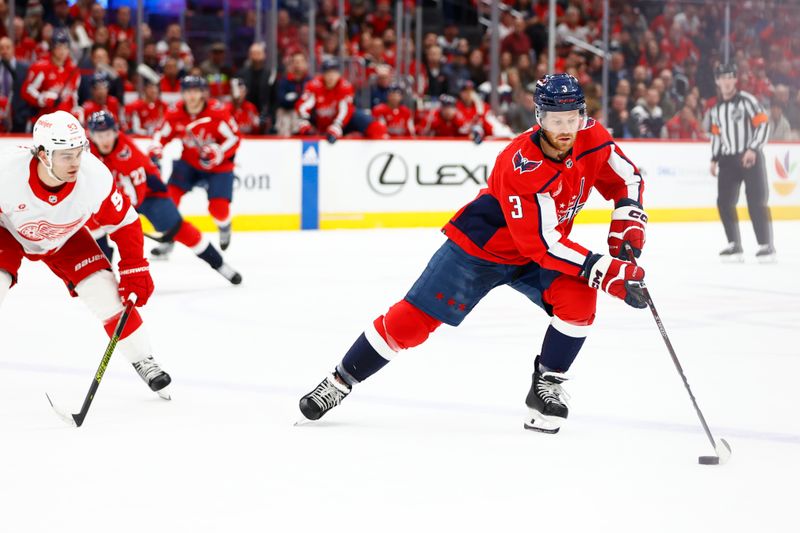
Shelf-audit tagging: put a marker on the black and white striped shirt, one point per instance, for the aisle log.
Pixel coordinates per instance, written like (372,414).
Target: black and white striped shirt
(738,125)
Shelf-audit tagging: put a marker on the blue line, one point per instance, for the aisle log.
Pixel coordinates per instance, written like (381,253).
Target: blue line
(309,210)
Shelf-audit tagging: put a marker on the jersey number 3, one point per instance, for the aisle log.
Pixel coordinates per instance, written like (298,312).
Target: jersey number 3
(517,210)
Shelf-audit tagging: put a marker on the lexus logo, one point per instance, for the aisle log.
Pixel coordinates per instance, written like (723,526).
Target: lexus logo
(387,173)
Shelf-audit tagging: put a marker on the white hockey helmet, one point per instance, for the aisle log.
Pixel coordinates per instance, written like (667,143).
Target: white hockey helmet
(58,131)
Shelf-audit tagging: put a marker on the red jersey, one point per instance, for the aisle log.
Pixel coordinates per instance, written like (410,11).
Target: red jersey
(246,116)
(143,117)
(112,105)
(439,127)
(118,33)
(475,114)
(50,88)
(213,125)
(527,210)
(167,86)
(134,173)
(398,121)
(329,105)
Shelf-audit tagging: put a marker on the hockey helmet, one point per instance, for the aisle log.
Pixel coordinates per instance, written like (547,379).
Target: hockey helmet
(559,92)
(193,82)
(101,121)
(100,78)
(446,100)
(60,37)
(394,88)
(330,64)
(726,69)
(57,131)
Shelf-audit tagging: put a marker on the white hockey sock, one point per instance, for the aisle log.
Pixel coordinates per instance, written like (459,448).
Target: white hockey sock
(99,293)
(5,284)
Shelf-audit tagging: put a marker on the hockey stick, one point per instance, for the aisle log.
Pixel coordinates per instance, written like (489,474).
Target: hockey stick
(722,448)
(77,419)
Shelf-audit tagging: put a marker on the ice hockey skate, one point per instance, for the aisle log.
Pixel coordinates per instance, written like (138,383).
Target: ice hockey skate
(224,236)
(766,254)
(230,274)
(327,395)
(732,253)
(155,378)
(546,401)
(162,251)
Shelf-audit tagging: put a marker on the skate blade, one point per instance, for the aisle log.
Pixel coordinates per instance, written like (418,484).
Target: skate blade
(732,259)
(536,421)
(303,422)
(164,394)
(767,259)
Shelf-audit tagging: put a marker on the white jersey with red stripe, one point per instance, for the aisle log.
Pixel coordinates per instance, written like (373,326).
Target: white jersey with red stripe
(213,125)
(42,220)
(527,211)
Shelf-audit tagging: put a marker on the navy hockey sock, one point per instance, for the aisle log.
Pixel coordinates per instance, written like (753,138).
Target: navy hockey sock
(360,362)
(211,256)
(559,350)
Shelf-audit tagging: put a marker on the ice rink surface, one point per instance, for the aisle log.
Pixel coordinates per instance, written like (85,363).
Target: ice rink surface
(435,441)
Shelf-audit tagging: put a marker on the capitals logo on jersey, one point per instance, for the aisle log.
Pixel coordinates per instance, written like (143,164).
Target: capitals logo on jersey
(40,230)
(522,164)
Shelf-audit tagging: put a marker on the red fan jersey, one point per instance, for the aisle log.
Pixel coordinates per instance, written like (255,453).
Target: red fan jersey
(50,88)
(440,127)
(213,125)
(112,105)
(398,121)
(143,117)
(246,116)
(527,211)
(329,105)
(475,114)
(134,173)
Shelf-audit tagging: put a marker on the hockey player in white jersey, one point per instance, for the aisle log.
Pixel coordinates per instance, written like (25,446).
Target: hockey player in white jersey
(48,192)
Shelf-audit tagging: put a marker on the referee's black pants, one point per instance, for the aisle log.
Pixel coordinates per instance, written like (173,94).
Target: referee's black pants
(731,174)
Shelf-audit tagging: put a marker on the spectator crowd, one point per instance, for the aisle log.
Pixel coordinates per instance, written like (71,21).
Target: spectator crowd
(81,59)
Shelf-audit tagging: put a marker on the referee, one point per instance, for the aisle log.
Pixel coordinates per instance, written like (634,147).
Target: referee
(739,130)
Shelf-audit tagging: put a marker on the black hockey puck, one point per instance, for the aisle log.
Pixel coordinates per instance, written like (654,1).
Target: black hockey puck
(708,460)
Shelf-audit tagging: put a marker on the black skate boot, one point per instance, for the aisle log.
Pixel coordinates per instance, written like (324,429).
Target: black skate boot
(766,254)
(732,253)
(225,236)
(155,378)
(323,398)
(546,401)
(162,251)
(230,274)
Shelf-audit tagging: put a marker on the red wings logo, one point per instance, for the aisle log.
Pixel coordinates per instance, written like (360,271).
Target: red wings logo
(43,230)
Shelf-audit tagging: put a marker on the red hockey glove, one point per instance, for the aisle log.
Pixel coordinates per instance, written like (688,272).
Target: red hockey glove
(628,224)
(134,278)
(304,127)
(617,278)
(333,133)
(211,155)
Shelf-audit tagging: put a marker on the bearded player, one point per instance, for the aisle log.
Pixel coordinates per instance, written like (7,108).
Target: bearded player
(516,233)
(48,192)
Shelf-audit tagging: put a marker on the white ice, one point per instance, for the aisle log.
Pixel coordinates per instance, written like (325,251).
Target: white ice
(435,441)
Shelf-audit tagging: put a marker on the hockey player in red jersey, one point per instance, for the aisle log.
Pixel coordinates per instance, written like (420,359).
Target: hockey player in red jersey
(210,140)
(474,111)
(397,118)
(516,233)
(326,108)
(243,111)
(100,99)
(445,121)
(144,115)
(48,192)
(137,176)
(52,83)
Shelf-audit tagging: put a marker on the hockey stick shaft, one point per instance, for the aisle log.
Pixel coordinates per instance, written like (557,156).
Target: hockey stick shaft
(101,370)
(672,353)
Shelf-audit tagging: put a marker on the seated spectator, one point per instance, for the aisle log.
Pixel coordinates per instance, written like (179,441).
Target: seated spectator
(379,88)
(517,42)
(60,17)
(434,72)
(326,107)
(685,125)
(243,111)
(648,117)
(445,121)
(477,67)
(779,128)
(52,83)
(449,40)
(13,73)
(572,27)
(98,61)
(288,34)
(521,114)
(619,120)
(180,51)
(171,78)
(123,31)
(676,47)
(257,80)
(397,118)
(24,45)
(381,18)
(456,72)
(100,99)
(474,111)
(96,20)
(121,67)
(143,116)
(217,71)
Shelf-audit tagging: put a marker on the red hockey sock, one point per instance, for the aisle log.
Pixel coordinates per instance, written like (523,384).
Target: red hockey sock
(175,194)
(188,235)
(220,210)
(133,323)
